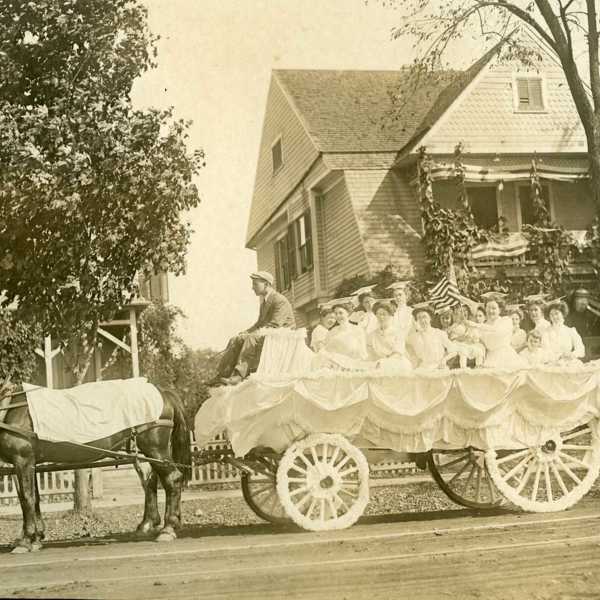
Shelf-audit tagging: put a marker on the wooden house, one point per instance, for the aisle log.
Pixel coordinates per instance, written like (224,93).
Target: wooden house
(335,190)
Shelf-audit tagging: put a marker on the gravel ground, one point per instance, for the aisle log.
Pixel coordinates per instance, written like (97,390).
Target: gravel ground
(202,515)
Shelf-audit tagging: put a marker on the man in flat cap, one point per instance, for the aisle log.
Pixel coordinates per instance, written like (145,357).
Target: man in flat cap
(242,355)
(581,316)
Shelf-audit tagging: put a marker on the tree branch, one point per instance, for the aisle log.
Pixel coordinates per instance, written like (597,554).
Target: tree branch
(593,53)
(524,16)
(580,96)
(565,22)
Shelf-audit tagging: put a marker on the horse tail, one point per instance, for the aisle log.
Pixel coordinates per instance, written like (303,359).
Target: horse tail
(180,437)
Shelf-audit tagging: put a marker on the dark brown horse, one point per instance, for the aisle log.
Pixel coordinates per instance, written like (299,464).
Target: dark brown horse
(166,441)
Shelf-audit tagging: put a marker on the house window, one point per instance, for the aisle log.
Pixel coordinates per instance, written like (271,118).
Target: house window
(527,214)
(484,206)
(277,155)
(282,264)
(293,252)
(529,94)
(304,242)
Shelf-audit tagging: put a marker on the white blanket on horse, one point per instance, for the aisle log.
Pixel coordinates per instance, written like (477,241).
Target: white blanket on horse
(92,411)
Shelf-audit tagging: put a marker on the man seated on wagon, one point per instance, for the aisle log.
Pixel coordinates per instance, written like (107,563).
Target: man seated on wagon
(242,354)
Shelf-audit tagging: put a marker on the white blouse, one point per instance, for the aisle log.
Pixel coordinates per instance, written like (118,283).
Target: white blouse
(561,339)
(430,346)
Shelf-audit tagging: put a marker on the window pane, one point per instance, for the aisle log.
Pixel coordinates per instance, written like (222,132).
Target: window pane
(277,155)
(527,215)
(529,91)
(484,206)
(535,94)
(523,91)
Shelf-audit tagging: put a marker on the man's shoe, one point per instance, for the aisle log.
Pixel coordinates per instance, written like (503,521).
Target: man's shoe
(214,382)
(233,380)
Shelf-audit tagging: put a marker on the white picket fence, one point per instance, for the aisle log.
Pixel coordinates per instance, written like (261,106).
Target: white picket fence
(58,486)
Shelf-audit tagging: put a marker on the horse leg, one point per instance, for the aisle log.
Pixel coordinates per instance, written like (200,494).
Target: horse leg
(25,471)
(172,480)
(151,518)
(40,526)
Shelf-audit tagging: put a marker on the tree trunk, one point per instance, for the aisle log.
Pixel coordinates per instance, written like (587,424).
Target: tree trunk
(82,497)
(594,157)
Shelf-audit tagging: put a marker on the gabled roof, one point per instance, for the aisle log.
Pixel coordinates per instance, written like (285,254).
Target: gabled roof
(372,111)
(355,111)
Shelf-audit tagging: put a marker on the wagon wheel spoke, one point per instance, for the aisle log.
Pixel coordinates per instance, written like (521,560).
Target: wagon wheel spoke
(516,468)
(512,456)
(459,472)
(470,476)
(568,471)
(577,433)
(334,455)
(558,478)
(571,458)
(461,458)
(548,482)
(478,492)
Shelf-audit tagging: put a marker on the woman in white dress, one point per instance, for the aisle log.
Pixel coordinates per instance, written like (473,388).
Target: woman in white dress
(367,321)
(519,337)
(431,346)
(496,335)
(535,311)
(319,333)
(386,343)
(563,342)
(345,346)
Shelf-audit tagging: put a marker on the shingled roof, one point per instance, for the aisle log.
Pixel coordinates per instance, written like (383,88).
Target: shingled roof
(372,111)
(356,111)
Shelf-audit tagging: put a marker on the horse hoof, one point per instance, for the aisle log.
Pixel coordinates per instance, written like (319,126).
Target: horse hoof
(36,546)
(20,550)
(166,536)
(145,529)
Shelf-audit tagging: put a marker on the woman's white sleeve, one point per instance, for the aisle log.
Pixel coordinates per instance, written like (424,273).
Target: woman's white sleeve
(577,343)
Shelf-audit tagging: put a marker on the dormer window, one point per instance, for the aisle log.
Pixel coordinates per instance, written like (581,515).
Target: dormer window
(529,94)
(277,155)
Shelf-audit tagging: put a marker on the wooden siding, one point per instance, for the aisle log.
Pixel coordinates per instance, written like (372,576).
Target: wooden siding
(379,205)
(299,152)
(485,120)
(344,252)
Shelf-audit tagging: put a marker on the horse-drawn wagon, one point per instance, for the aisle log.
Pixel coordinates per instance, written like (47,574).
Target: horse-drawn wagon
(304,439)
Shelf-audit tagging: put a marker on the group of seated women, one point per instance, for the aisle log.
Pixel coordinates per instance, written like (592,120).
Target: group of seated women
(389,334)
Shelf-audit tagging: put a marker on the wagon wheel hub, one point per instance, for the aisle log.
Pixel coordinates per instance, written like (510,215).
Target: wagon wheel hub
(326,482)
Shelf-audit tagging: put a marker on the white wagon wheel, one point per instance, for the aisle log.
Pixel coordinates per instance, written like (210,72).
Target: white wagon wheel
(464,478)
(323,482)
(552,476)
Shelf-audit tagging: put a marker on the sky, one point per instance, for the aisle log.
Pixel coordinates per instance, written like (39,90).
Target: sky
(215,60)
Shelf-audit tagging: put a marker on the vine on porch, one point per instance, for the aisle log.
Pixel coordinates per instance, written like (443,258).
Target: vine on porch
(449,235)
(550,245)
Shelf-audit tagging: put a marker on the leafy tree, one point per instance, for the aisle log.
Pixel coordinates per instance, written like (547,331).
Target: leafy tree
(91,190)
(17,360)
(567,28)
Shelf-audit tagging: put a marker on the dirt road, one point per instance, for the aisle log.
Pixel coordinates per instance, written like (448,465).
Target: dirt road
(456,554)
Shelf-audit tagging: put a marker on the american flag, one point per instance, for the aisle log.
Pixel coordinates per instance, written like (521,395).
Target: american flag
(444,294)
